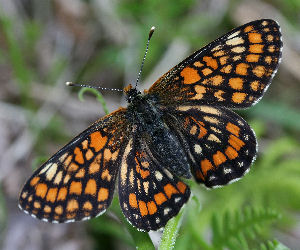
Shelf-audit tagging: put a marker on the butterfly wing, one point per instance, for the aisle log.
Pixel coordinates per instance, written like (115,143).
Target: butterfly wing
(220,145)
(149,194)
(78,182)
(233,71)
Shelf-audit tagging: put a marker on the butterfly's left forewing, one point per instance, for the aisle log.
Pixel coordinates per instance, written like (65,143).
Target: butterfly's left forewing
(78,182)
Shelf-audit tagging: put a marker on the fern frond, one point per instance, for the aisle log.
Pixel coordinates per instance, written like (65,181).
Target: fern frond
(273,245)
(234,229)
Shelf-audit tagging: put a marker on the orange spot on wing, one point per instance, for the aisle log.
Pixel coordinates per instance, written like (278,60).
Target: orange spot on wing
(58,210)
(203,130)
(190,75)
(254,38)
(199,175)
(198,64)
(259,71)
(72,205)
(170,190)
(78,155)
(143,208)
(248,28)
(218,94)
(89,154)
(73,167)
(132,200)
(235,142)
(268,59)
(254,85)
(37,205)
(160,198)
(47,209)
(75,188)
(211,62)
(238,97)
(236,83)
(41,189)
(200,90)
(34,181)
(252,58)
(256,48)
(107,154)
(80,173)
(231,153)
(223,60)
(95,165)
(97,141)
(62,194)
(84,144)
(205,166)
(206,71)
(233,129)
(51,195)
(90,187)
(241,68)
(87,205)
(144,173)
(151,207)
(219,158)
(181,186)
(105,175)
(226,69)
(103,194)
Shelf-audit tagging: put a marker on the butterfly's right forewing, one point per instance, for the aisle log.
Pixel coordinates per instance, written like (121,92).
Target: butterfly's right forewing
(233,71)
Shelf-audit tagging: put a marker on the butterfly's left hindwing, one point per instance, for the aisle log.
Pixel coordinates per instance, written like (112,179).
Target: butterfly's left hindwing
(221,146)
(78,182)
(149,194)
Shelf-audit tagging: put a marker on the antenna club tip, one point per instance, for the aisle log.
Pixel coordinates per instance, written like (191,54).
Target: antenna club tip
(151,31)
(69,83)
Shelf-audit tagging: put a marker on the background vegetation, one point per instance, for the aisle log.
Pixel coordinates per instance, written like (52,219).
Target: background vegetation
(45,43)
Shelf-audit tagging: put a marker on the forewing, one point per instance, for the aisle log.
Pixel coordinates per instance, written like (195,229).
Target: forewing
(149,194)
(233,71)
(221,146)
(78,182)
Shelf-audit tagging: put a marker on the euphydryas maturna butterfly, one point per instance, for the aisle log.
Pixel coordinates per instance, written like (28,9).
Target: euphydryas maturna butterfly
(181,127)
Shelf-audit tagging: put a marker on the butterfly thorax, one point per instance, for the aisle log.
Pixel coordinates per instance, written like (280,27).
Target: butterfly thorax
(147,120)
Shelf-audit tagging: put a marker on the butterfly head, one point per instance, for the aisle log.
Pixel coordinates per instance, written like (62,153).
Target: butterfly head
(131,93)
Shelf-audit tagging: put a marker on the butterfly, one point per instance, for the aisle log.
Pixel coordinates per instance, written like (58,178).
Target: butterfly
(182,127)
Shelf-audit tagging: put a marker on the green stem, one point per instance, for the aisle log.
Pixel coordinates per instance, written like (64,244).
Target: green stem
(98,96)
(170,233)
(141,240)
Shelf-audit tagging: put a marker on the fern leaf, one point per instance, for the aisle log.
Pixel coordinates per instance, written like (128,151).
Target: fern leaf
(239,226)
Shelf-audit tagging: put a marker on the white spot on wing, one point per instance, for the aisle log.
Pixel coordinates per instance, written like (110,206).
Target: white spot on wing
(197,149)
(44,169)
(158,175)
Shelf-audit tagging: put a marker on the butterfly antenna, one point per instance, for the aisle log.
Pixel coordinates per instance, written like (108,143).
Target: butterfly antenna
(147,47)
(91,87)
